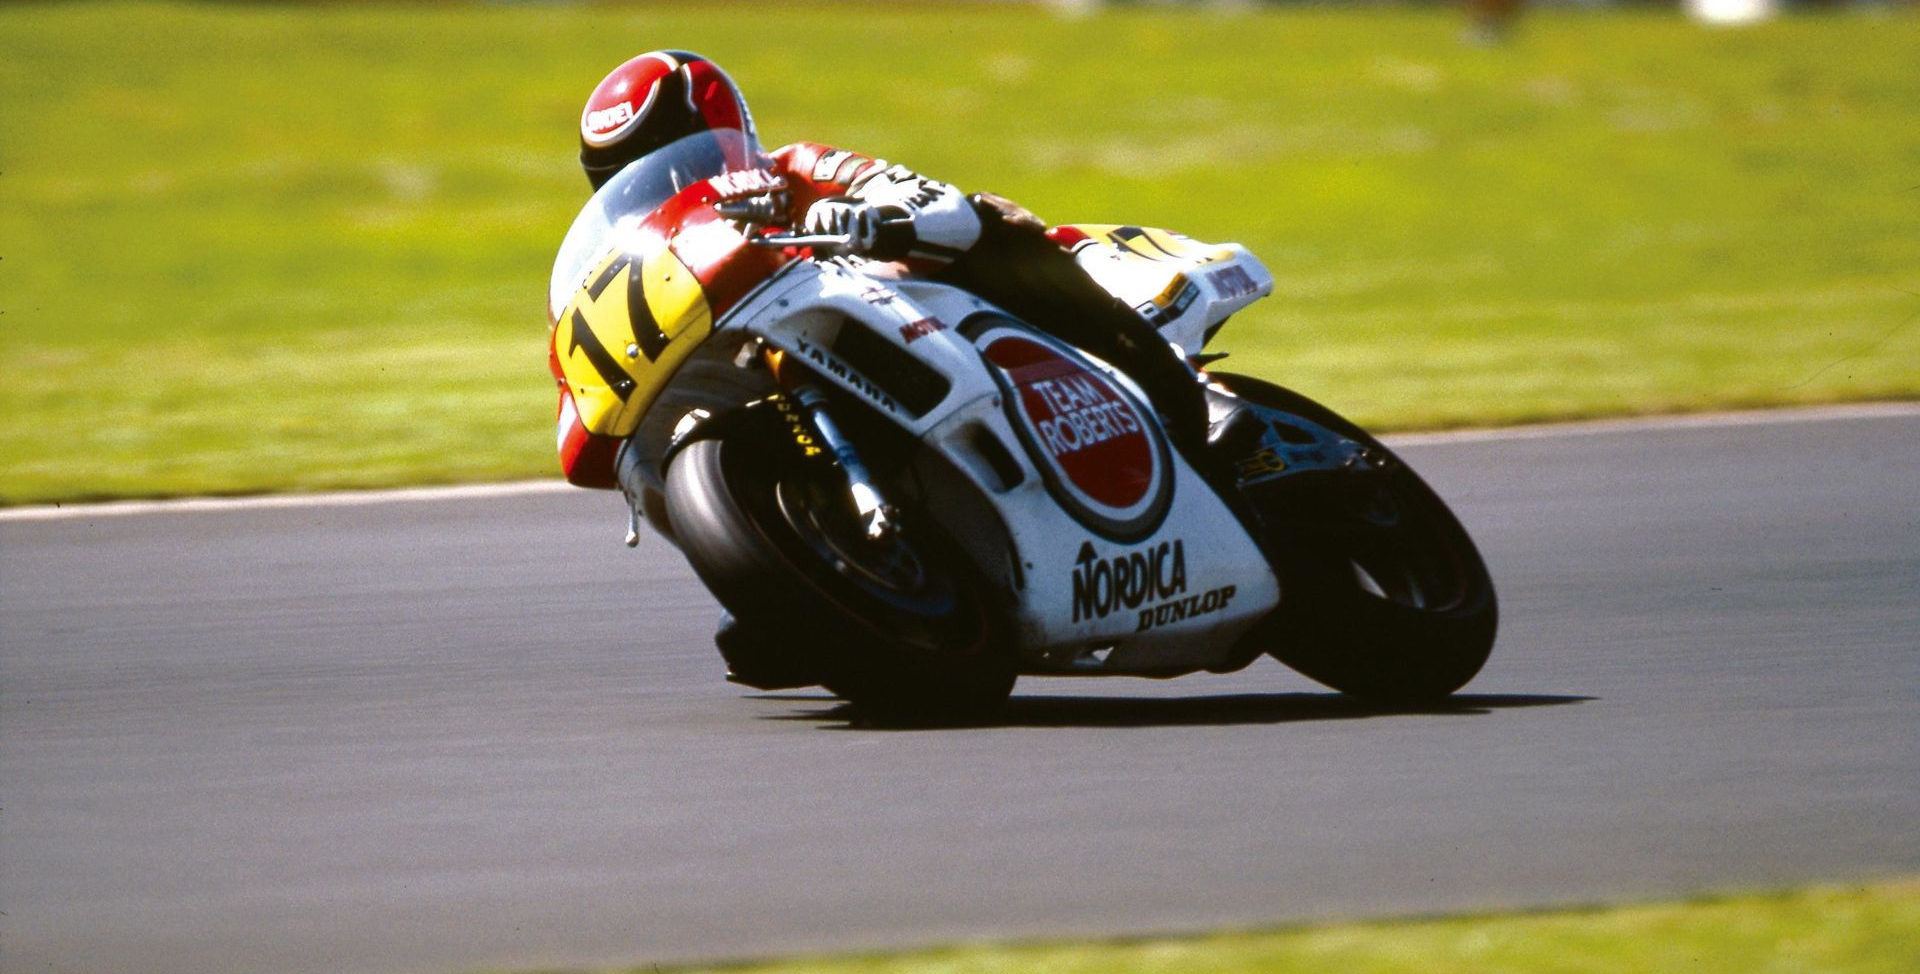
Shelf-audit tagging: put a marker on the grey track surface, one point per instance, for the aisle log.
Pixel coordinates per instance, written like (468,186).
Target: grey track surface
(463,734)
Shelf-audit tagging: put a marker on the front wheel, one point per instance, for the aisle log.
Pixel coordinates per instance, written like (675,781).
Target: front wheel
(900,626)
(1384,596)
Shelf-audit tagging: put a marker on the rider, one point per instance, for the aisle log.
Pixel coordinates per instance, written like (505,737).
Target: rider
(982,243)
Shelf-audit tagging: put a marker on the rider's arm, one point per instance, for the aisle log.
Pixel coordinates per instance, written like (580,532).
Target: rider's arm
(944,224)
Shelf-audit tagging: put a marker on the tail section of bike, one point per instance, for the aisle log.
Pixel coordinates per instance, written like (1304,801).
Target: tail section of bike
(1184,287)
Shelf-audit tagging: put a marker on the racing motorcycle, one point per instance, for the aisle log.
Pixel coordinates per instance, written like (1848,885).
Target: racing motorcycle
(907,495)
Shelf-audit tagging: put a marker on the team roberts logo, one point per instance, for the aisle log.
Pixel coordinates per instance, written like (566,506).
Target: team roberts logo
(1095,444)
(1083,414)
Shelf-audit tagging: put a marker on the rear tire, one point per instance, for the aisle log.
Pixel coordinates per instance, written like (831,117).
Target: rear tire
(1383,594)
(902,628)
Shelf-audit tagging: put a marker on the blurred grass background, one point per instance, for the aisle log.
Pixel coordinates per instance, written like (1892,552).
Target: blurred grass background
(249,248)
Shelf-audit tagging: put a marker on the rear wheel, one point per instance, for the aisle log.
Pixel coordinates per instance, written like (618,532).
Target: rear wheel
(1383,594)
(900,626)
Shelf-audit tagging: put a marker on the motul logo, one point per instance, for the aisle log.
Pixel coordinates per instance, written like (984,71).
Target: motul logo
(913,331)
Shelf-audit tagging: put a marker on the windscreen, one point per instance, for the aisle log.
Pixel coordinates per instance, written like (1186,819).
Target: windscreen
(637,190)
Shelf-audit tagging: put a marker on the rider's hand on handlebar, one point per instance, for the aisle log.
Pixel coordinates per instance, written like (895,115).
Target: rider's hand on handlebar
(879,231)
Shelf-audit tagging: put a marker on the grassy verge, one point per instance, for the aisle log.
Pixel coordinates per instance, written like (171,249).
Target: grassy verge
(263,247)
(1870,930)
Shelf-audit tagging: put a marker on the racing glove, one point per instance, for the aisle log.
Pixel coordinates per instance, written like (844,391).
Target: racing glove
(881,231)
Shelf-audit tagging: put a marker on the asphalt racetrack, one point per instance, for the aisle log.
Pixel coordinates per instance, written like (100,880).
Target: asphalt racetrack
(474,731)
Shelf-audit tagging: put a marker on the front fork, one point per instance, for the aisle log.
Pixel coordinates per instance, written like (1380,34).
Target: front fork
(804,409)
(879,518)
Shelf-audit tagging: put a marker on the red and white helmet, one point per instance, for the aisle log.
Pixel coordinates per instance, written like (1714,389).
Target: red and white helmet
(651,101)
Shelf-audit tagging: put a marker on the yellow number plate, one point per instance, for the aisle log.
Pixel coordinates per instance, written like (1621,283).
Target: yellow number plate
(625,335)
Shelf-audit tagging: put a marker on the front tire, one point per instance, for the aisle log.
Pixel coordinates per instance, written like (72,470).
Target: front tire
(1384,595)
(901,627)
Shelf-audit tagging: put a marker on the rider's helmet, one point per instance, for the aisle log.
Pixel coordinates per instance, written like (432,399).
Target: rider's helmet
(651,101)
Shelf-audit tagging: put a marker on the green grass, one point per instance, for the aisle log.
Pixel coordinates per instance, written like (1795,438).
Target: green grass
(252,248)
(1870,930)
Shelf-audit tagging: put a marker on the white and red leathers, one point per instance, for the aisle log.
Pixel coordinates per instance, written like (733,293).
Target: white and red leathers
(943,222)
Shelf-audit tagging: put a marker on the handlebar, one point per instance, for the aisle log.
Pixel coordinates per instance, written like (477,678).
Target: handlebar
(832,241)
